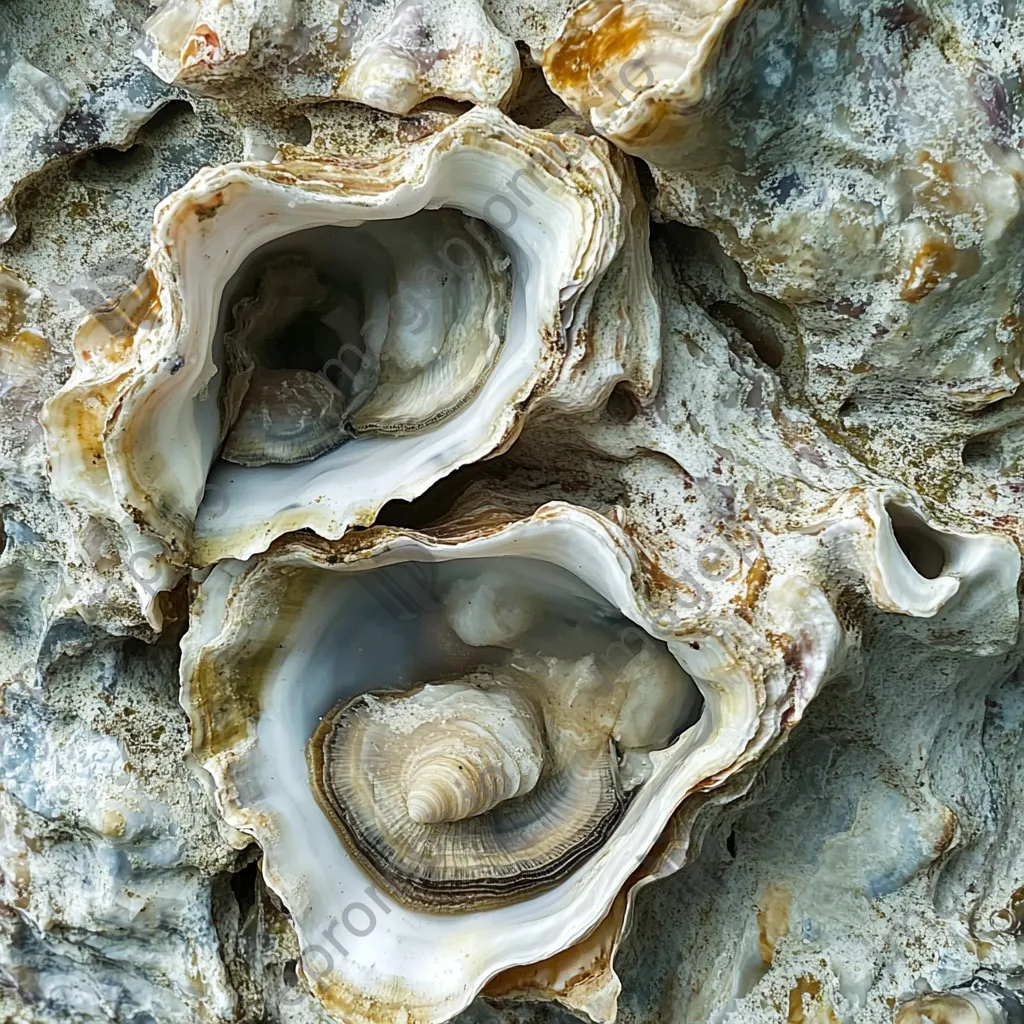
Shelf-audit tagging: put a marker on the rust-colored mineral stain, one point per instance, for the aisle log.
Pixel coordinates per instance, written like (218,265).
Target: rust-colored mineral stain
(86,416)
(12,311)
(23,355)
(757,577)
(208,210)
(939,168)
(598,40)
(110,330)
(203,46)
(772,920)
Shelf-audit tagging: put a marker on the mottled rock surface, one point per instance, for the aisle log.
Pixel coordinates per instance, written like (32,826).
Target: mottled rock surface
(838,257)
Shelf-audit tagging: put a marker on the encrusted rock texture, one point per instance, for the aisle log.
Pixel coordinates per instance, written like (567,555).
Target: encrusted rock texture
(834,193)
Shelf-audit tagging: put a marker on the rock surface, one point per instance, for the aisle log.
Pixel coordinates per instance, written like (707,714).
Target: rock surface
(838,256)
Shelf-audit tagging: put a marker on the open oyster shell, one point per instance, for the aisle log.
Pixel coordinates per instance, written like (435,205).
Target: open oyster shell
(271,649)
(555,218)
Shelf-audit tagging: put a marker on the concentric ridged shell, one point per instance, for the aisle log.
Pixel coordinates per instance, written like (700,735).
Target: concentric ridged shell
(428,354)
(506,842)
(286,416)
(484,747)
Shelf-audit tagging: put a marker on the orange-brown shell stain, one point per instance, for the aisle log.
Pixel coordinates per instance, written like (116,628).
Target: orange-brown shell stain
(599,38)
(12,310)
(108,334)
(1010,920)
(772,921)
(360,175)
(23,351)
(85,416)
(208,210)
(757,576)
(22,356)
(202,47)
(933,264)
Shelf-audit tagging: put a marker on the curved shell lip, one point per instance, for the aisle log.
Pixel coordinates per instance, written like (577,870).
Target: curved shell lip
(602,556)
(529,363)
(927,580)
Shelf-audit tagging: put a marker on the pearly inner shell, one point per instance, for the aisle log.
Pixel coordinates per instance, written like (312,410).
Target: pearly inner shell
(405,319)
(286,416)
(500,779)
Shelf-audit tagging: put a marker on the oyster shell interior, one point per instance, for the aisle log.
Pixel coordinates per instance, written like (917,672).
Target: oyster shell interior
(329,333)
(506,732)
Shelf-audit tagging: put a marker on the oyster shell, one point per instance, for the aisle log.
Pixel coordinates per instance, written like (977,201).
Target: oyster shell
(262,674)
(641,71)
(980,1002)
(391,56)
(445,368)
(24,351)
(463,752)
(448,791)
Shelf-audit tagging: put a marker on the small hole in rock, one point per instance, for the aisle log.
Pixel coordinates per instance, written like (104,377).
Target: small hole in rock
(979,453)
(999,453)
(848,413)
(917,541)
(730,843)
(291,973)
(170,116)
(534,104)
(622,404)
(759,335)
(298,131)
